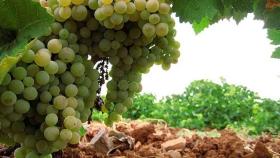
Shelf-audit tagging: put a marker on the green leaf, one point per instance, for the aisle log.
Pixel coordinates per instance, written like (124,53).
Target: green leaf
(276,53)
(274,35)
(198,27)
(195,10)
(21,21)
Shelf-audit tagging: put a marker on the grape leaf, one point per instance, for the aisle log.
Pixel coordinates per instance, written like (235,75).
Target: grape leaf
(21,21)
(276,53)
(274,35)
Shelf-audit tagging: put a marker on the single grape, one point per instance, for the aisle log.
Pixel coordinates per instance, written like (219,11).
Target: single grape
(28,81)
(45,97)
(154,19)
(130,8)
(42,78)
(63,34)
(64,3)
(51,119)
(61,66)
(116,19)
(93,4)
(162,29)
(107,1)
(60,102)
(107,10)
(77,69)
(8,98)
(16,86)
(67,78)
(79,12)
(72,102)
(37,44)
(54,46)
(65,134)
(65,12)
(51,109)
(152,6)
(28,56)
(71,90)
(66,55)
(42,147)
(22,106)
(75,138)
(104,45)
(140,4)
(149,30)
(19,73)
(51,133)
(30,93)
(120,7)
(42,57)
(54,90)
(69,111)
(164,8)
(70,122)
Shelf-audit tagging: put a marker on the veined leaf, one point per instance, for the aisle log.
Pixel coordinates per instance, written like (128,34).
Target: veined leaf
(21,21)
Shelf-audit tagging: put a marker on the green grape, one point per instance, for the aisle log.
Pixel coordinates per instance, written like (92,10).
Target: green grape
(162,29)
(107,10)
(145,14)
(120,108)
(104,45)
(114,116)
(61,66)
(152,6)
(131,9)
(99,14)
(14,116)
(54,90)
(77,69)
(42,57)
(41,108)
(123,85)
(140,4)
(51,109)
(28,81)
(115,45)
(135,51)
(71,90)
(78,2)
(120,7)
(63,34)
(22,106)
(87,82)
(32,154)
(60,102)
(93,4)
(114,60)
(36,45)
(128,102)
(133,86)
(107,1)
(81,104)
(71,26)
(29,141)
(154,19)
(6,80)
(64,12)
(68,112)
(83,91)
(45,97)
(149,30)
(120,36)
(52,68)
(116,19)
(79,12)
(65,135)
(164,8)
(85,32)
(134,33)
(112,85)
(122,95)
(92,24)
(42,146)
(18,127)
(42,78)
(16,86)
(28,56)
(67,55)
(8,98)
(67,78)
(19,73)
(46,156)
(109,34)
(54,46)
(51,119)
(72,102)
(30,93)
(70,122)
(64,3)
(51,133)
(32,70)
(75,138)
(19,153)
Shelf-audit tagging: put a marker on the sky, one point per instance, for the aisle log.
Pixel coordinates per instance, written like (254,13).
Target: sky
(239,53)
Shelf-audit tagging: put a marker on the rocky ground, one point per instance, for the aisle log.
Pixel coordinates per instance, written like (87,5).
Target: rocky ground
(138,139)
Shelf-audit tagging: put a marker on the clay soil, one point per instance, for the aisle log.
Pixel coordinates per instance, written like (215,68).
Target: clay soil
(138,139)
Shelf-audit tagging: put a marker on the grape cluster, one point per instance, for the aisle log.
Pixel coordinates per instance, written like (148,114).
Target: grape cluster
(133,35)
(47,95)
(50,92)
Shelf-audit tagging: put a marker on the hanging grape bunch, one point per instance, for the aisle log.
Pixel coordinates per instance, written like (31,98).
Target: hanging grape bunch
(50,92)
